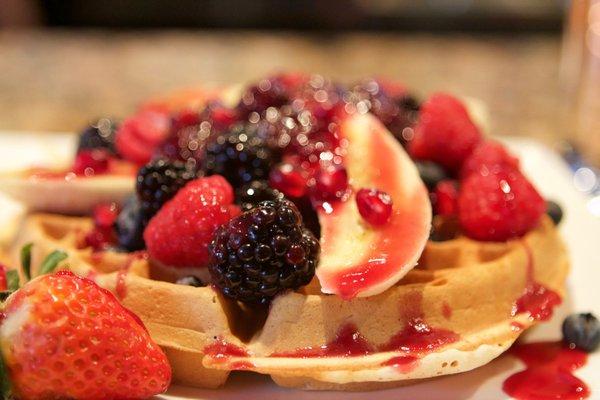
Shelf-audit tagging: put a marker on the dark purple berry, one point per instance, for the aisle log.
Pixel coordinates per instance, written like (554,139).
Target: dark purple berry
(263,252)
(239,155)
(554,211)
(431,173)
(256,191)
(582,331)
(130,225)
(158,181)
(98,135)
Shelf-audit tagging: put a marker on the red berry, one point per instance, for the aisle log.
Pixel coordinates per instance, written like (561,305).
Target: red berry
(375,206)
(444,133)
(65,337)
(139,135)
(331,183)
(446,194)
(179,234)
(91,162)
(498,205)
(488,154)
(105,215)
(2,277)
(289,180)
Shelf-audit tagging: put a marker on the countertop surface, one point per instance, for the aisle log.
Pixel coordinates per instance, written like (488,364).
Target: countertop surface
(57,80)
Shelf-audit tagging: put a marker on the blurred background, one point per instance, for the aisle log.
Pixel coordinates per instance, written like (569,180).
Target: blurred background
(534,63)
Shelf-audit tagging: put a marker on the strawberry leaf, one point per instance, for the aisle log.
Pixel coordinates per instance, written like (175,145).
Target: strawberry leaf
(26,260)
(5,389)
(51,261)
(12,280)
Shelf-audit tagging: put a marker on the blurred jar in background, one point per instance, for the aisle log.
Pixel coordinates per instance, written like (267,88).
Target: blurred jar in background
(580,74)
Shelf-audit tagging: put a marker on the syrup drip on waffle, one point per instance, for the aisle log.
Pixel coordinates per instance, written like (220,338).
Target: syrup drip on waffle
(548,374)
(537,300)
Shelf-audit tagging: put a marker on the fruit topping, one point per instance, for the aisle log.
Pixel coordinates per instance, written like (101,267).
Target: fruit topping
(256,191)
(554,211)
(98,135)
(582,331)
(289,179)
(63,336)
(239,155)
(91,162)
(139,135)
(374,206)
(488,155)
(356,258)
(444,198)
(431,173)
(263,252)
(391,103)
(445,133)
(269,92)
(179,234)
(331,184)
(130,225)
(158,181)
(190,281)
(498,205)
(102,236)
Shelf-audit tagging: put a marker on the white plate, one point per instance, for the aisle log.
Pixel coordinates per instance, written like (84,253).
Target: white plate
(550,174)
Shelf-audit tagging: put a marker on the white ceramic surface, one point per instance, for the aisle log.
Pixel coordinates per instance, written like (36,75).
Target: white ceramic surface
(550,174)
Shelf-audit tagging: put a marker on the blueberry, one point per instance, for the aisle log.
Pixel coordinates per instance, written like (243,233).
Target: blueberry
(190,281)
(130,225)
(554,211)
(98,135)
(431,173)
(582,331)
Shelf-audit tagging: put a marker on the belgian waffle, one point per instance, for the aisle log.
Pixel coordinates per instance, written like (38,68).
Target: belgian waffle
(463,305)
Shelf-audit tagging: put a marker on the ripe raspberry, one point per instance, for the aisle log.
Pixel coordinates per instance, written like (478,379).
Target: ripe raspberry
(158,181)
(488,154)
(263,252)
(179,234)
(139,135)
(65,337)
(445,196)
(498,205)
(445,133)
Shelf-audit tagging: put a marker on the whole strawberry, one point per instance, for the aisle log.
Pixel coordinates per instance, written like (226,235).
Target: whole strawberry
(63,336)
(179,234)
(498,204)
(445,133)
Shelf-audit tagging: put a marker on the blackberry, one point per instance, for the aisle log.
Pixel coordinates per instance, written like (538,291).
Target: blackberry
(158,181)
(263,252)
(270,92)
(256,191)
(98,135)
(130,225)
(239,155)
(554,211)
(582,331)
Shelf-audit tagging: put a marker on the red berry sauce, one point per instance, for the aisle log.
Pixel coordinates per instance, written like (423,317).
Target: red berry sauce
(221,351)
(549,373)
(3,282)
(347,343)
(375,206)
(537,300)
(91,162)
(403,364)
